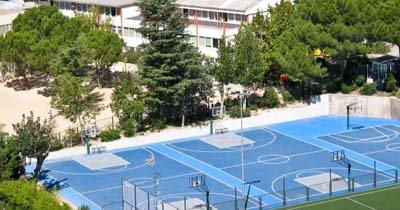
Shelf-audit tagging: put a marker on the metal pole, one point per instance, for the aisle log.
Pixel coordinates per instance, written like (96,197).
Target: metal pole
(284,192)
(184,203)
(307,193)
(260,204)
(208,199)
(123,202)
(348,117)
(241,146)
(396,177)
(374,173)
(330,182)
(236,207)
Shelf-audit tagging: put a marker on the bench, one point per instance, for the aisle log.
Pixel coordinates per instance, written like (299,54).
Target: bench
(221,130)
(98,149)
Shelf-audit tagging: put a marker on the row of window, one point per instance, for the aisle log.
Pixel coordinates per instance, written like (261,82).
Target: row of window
(209,15)
(205,41)
(131,32)
(104,10)
(4,29)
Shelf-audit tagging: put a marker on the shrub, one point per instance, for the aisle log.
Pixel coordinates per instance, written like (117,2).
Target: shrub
(253,107)
(129,127)
(360,80)
(110,135)
(287,97)
(345,88)
(72,137)
(84,207)
(133,56)
(28,196)
(234,112)
(368,89)
(334,85)
(270,99)
(390,83)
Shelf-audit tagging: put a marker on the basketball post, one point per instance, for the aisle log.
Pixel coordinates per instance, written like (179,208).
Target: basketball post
(348,117)
(199,183)
(86,139)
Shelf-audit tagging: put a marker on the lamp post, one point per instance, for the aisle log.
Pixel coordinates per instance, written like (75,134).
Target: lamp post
(241,95)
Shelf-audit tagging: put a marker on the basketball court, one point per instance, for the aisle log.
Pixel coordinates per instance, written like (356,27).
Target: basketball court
(283,164)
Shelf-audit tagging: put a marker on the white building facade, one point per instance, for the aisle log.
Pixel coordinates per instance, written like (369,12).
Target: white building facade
(208,20)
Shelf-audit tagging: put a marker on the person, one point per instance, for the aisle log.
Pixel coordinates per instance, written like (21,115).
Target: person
(50,115)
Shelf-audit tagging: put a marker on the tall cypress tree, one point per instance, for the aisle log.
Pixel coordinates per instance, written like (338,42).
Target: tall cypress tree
(176,82)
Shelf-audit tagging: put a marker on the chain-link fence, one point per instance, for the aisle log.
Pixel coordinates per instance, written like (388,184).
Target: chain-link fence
(135,198)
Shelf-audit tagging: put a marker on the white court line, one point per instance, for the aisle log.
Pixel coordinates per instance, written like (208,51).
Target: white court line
(277,158)
(360,203)
(327,200)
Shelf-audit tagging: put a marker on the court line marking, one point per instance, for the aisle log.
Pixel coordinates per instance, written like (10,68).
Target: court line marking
(270,141)
(329,200)
(103,172)
(349,131)
(361,203)
(290,156)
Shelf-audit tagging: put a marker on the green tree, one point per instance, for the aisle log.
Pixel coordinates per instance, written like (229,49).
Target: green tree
(33,139)
(128,104)
(17,49)
(11,166)
(175,81)
(70,60)
(23,195)
(224,70)
(250,64)
(75,100)
(103,49)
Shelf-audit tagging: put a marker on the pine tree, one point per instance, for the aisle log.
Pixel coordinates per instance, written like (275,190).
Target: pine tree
(171,71)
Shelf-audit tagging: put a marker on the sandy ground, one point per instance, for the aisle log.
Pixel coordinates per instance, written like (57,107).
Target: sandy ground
(15,103)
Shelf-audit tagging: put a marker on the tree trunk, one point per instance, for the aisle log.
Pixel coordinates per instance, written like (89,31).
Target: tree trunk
(99,75)
(39,163)
(81,127)
(221,114)
(183,120)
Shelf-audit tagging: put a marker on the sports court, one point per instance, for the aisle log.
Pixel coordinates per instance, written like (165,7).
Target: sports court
(287,163)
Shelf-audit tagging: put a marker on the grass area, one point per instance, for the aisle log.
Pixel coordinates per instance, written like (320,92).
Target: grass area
(379,199)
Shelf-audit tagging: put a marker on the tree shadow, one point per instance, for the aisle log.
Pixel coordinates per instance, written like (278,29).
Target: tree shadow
(33,81)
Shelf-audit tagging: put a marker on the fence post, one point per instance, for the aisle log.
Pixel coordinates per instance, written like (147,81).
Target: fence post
(374,174)
(307,193)
(134,193)
(284,192)
(184,202)
(162,205)
(260,204)
(148,200)
(353,181)
(396,177)
(236,206)
(123,202)
(330,182)
(112,121)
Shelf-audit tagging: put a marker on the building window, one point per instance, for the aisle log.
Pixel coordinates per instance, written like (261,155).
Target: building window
(84,8)
(62,5)
(205,14)
(118,11)
(231,17)
(212,16)
(113,11)
(208,42)
(238,17)
(68,5)
(215,43)
(192,13)
(202,41)
(185,13)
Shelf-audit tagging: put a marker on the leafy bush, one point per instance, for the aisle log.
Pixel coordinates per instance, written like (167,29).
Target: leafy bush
(390,83)
(345,88)
(129,127)
(234,112)
(287,97)
(253,107)
(360,80)
(368,89)
(72,137)
(270,99)
(28,196)
(334,85)
(133,56)
(84,207)
(110,135)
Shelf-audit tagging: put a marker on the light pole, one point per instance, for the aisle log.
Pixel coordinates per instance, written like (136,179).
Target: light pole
(241,94)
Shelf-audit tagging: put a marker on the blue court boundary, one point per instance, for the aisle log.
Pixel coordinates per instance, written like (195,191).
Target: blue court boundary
(355,156)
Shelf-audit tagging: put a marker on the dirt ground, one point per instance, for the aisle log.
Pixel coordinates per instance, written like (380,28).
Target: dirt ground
(15,103)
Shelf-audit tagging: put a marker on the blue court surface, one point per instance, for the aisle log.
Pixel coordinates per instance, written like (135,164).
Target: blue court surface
(291,161)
